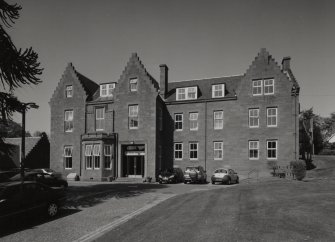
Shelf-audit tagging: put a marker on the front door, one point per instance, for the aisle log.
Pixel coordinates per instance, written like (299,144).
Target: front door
(135,166)
(133,162)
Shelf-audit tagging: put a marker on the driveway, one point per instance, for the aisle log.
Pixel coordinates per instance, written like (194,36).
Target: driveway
(94,208)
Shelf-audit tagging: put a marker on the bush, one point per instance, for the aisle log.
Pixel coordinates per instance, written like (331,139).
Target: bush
(298,169)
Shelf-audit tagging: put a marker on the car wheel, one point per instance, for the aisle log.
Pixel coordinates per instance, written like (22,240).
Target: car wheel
(237,180)
(52,209)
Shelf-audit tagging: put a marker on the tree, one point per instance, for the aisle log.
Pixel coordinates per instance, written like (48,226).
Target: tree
(13,130)
(17,68)
(311,139)
(328,127)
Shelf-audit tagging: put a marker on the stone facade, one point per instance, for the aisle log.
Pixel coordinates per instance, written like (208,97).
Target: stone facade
(139,122)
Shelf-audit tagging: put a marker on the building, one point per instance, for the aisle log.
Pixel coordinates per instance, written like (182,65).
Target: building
(136,126)
(37,153)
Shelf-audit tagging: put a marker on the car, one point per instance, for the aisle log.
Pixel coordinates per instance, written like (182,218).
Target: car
(45,170)
(6,175)
(48,171)
(172,175)
(195,174)
(225,175)
(18,198)
(49,180)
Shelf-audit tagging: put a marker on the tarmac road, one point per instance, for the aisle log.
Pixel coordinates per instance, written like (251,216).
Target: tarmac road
(95,208)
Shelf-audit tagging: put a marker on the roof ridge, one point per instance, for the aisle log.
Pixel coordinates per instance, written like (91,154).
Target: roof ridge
(208,78)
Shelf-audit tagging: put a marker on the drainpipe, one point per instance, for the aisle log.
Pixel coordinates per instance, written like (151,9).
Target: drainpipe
(206,136)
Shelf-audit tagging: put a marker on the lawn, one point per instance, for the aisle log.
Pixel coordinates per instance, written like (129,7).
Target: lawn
(287,210)
(272,209)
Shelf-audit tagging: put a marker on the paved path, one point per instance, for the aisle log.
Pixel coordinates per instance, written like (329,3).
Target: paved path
(95,208)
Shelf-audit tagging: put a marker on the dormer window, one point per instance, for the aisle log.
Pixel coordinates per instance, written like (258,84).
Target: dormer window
(187,93)
(218,90)
(69,91)
(133,85)
(106,90)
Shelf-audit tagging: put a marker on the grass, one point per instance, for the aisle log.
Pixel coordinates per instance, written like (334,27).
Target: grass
(287,210)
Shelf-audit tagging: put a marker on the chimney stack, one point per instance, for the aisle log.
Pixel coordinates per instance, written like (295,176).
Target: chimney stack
(286,63)
(163,83)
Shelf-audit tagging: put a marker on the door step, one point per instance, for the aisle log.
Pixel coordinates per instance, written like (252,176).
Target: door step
(128,180)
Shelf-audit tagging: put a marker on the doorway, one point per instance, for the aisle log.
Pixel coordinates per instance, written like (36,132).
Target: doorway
(133,161)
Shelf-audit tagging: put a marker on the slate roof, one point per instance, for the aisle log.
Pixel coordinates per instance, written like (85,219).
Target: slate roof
(89,86)
(30,143)
(205,87)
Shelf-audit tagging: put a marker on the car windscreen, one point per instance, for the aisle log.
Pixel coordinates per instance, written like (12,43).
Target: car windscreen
(221,171)
(191,169)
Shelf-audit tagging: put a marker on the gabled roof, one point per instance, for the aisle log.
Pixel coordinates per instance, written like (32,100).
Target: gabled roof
(89,86)
(205,87)
(30,143)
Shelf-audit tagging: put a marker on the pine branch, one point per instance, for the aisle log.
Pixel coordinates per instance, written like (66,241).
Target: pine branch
(9,13)
(17,67)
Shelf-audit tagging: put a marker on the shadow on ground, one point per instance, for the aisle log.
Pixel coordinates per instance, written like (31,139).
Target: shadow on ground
(79,196)
(30,221)
(87,195)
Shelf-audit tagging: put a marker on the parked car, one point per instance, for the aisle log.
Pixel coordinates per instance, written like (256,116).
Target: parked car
(195,174)
(17,198)
(173,175)
(225,175)
(49,180)
(6,175)
(48,171)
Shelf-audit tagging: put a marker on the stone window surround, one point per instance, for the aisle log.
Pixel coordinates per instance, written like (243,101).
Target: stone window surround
(178,122)
(273,149)
(263,86)
(218,120)
(193,151)
(180,151)
(253,117)
(271,119)
(254,146)
(68,151)
(218,150)
(69,91)
(193,118)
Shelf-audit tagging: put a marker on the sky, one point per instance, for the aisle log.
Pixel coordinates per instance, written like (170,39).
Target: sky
(195,39)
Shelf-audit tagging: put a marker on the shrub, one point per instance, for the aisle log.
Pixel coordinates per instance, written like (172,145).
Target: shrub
(298,169)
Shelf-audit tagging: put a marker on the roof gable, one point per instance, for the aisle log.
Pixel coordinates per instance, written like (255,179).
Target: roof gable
(89,87)
(134,60)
